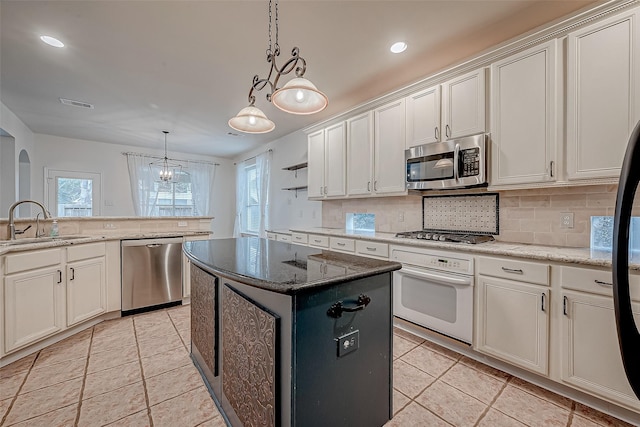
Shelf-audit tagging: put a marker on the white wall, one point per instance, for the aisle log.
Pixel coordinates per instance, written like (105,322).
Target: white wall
(23,140)
(55,152)
(286,210)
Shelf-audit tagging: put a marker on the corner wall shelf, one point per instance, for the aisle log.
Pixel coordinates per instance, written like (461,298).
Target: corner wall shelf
(295,168)
(296,189)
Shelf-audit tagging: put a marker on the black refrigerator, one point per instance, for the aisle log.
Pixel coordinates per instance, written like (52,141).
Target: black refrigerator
(628,334)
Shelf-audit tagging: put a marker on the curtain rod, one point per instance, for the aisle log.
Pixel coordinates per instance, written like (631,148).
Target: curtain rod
(251,158)
(126,153)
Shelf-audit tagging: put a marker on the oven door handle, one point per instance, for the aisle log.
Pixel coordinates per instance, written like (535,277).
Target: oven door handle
(422,274)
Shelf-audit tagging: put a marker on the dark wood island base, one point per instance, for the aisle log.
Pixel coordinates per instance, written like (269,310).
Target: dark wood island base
(292,336)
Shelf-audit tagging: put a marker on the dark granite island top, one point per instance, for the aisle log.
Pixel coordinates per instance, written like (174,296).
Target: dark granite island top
(287,335)
(281,267)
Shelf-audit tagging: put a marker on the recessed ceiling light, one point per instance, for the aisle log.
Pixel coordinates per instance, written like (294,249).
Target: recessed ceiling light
(398,47)
(52,41)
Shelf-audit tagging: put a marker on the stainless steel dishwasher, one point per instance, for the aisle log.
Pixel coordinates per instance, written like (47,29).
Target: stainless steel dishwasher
(151,274)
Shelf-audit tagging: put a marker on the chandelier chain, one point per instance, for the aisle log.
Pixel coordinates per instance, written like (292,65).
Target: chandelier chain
(274,48)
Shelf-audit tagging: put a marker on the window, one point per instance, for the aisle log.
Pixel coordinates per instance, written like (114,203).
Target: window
(253,207)
(73,194)
(173,198)
(361,222)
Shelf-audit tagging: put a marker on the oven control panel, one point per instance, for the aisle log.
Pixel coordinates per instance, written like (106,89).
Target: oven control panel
(428,259)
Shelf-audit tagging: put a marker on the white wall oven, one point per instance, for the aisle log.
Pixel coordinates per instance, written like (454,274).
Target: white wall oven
(434,289)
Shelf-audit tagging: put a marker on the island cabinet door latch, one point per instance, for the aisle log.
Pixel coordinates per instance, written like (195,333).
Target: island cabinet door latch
(337,308)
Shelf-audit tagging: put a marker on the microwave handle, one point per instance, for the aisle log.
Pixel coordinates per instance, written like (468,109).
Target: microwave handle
(456,161)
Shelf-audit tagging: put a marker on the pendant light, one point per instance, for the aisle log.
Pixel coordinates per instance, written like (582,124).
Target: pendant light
(167,168)
(298,96)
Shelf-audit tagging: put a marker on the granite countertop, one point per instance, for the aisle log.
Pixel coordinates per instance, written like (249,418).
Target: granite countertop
(584,256)
(7,246)
(281,267)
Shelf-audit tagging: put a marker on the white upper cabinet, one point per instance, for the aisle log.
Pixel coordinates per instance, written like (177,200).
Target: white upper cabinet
(463,105)
(315,177)
(451,110)
(523,116)
(603,95)
(423,117)
(327,162)
(360,154)
(389,143)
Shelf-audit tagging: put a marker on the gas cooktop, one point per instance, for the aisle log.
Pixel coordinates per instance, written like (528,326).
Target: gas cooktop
(445,237)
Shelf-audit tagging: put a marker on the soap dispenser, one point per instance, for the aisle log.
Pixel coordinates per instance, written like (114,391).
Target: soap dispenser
(54,228)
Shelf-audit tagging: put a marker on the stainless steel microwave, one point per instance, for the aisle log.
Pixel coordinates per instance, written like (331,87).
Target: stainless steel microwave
(450,164)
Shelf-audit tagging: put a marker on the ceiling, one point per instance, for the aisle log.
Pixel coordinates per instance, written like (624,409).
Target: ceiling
(187,66)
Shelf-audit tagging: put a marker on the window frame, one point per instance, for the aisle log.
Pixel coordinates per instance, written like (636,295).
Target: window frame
(51,177)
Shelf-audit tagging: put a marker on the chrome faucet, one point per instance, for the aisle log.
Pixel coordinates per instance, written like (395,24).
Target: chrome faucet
(12,226)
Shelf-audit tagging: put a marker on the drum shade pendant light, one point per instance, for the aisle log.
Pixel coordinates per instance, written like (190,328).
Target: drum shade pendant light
(167,168)
(298,96)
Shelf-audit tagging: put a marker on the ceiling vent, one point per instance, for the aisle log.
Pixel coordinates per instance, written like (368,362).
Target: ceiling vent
(73,103)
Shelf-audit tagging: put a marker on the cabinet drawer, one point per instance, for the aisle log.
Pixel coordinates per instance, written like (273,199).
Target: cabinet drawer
(91,250)
(596,281)
(318,241)
(30,260)
(300,238)
(340,244)
(283,238)
(521,271)
(272,236)
(376,249)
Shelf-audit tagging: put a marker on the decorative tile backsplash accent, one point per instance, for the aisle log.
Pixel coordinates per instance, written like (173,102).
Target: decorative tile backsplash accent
(472,213)
(526,216)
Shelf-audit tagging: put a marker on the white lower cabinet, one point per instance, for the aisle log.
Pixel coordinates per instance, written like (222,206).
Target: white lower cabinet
(512,322)
(591,357)
(33,306)
(86,290)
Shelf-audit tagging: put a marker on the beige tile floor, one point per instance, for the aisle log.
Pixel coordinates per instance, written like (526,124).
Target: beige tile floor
(136,371)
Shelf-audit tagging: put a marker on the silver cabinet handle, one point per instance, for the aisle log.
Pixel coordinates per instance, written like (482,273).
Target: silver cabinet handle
(317,241)
(325,189)
(321,191)
(542,303)
(375,185)
(565,303)
(371,249)
(447,131)
(601,283)
(340,244)
(437,133)
(368,185)
(512,270)
(551,165)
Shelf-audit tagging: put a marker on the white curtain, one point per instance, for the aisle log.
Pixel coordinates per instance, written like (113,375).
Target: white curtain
(263,178)
(141,180)
(241,198)
(203,176)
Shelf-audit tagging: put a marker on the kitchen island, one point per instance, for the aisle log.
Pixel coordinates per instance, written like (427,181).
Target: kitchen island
(290,335)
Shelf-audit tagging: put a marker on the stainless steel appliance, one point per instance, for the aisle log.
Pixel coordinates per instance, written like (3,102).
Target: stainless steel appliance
(151,274)
(446,237)
(450,164)
(434,289)
(628,333)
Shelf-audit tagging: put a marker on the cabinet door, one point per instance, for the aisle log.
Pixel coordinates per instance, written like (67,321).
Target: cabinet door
(523,112)
(590,353)
(315,172)
(360,154)
(513,322)
(33,306)
(86,290)
(603,95)
(463,105)
(423,117)
(389,148)
(335,152)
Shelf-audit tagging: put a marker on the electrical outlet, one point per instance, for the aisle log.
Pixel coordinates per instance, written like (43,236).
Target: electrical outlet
(400,216)
(566,220)
(109,225)
(182,223)
(348,343)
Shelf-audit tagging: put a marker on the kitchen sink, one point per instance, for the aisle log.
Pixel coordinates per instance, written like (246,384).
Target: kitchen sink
(25,241)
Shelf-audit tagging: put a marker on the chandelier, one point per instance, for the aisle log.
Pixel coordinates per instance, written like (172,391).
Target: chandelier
(167,168)
(297,96)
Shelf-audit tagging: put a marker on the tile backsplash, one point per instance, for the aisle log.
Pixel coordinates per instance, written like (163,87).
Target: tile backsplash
(526,216)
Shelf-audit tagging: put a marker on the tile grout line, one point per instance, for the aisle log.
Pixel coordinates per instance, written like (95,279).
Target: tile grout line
(15,396)
(493,401)
(571,413)
(144,381)
(84,380)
